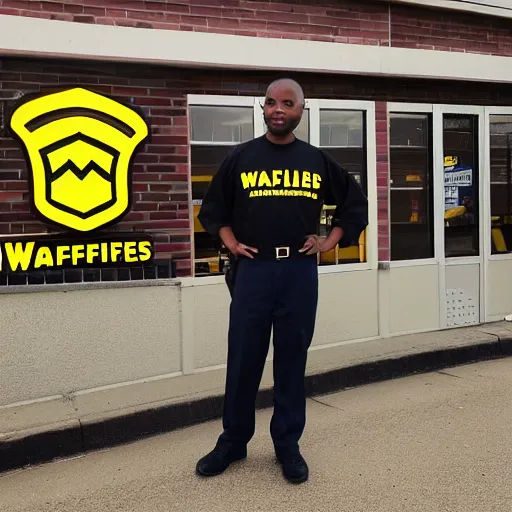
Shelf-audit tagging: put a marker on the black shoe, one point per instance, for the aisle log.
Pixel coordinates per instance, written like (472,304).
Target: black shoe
(218,460)
(295,468)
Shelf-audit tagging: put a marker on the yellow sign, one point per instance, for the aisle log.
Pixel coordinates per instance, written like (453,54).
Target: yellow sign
(80,146)
(449,161)
(55,253)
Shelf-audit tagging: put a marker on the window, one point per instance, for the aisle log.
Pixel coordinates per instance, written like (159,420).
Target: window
(302,131)
(501,183)
(215,130)
(460,146)
(343,136)
(220,122)
(411,186)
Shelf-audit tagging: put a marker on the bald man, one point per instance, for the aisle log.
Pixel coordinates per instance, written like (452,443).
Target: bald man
(265,203)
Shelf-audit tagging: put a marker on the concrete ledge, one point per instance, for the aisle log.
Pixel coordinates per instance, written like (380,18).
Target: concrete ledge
(42,431)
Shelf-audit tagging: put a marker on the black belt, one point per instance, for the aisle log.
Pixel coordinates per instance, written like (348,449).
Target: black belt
(280,252)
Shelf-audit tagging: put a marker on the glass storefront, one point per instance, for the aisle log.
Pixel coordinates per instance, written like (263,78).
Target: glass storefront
(217,127)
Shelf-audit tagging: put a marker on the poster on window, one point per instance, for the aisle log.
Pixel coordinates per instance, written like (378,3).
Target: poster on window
(458,183)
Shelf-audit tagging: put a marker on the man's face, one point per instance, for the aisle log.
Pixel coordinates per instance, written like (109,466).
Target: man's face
(283,110)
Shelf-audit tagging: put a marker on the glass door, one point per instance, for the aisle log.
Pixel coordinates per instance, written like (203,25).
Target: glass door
(459,170)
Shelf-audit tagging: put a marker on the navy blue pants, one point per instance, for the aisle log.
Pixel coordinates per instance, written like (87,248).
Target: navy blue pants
(270,294)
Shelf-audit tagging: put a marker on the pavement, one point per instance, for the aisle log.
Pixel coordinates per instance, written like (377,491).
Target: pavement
(437,442)
(86,420)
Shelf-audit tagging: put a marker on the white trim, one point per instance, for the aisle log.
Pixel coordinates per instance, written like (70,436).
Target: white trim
(372,231)
(484,193)
(501,257)
(343,267)
(314,106)
(485,213)
(439,248)
(409,108)
(314,120)
(413,263)
(64,39)
(463,260)
(213,143)
(349,105)
(493,111)
(498,8)
(484,229)
(193,281)
(496,111)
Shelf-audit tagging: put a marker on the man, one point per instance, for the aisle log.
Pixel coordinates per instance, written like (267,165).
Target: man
(265,203)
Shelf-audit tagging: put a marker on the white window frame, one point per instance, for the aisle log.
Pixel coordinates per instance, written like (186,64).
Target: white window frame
(314,106)
(416,108)
(492,111)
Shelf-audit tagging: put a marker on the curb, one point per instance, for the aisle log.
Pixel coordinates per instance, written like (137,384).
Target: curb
(56,444)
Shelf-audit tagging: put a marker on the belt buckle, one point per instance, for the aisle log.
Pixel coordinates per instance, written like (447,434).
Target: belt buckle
(282,252)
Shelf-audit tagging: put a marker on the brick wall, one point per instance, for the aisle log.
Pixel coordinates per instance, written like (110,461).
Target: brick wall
(449,31)
(346,21)
(382,129)
(160,197)
(160,187)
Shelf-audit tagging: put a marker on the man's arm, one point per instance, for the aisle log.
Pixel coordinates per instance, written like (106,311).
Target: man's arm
(351,213)
(216,212)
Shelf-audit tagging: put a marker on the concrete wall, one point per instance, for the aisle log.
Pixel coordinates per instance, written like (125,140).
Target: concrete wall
(69,338)
(413,299)
(500,289)
(60,342)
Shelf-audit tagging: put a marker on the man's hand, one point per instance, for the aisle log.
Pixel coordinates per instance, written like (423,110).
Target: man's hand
(235,247)
(243,250)
(313,245)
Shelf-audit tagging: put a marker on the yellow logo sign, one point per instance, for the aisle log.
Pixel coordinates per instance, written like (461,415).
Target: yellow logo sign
(80,146)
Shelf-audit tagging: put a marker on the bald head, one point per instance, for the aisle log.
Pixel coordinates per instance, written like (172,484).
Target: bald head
(284,104)
(289,84)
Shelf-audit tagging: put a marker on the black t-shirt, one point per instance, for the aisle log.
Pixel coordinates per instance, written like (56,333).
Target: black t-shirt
(272,194)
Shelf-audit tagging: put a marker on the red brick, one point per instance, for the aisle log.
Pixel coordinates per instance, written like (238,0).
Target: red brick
(223,23)
(52,6)
(9,175)
(16,185)
(20,207)
(21,4)
(160,187)
(382,181)
(168,207)
(162,224)
(10,12)
(74,9)
(145,177)
(163,215)
(253,24)
(83,18)
(11,196)
(384,254)
(154,196)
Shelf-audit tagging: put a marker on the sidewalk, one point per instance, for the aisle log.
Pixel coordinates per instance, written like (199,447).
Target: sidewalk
(435,442)
(84,421)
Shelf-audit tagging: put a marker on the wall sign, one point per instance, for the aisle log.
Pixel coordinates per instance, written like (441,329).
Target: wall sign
(79,147)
